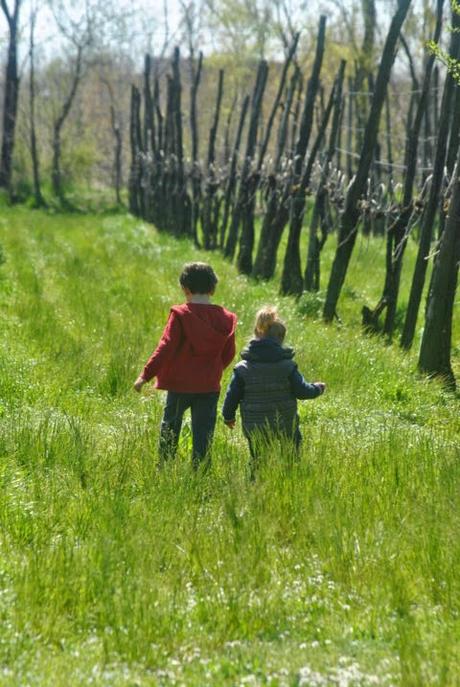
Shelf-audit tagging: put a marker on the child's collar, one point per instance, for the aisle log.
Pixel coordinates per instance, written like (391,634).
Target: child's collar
(201,298)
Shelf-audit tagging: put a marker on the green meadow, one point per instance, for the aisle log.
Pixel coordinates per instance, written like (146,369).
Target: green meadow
(342,569)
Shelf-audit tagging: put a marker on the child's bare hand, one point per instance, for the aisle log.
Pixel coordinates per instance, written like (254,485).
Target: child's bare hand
(230,423)
(321,386)
(139,383)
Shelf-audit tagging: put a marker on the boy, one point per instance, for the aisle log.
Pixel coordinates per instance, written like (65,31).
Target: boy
(198,343)
(266,386)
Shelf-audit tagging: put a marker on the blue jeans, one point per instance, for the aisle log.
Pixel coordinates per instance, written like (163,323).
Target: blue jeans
(203,409)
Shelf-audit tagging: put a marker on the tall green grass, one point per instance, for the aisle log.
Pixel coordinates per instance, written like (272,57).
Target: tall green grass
(341,569)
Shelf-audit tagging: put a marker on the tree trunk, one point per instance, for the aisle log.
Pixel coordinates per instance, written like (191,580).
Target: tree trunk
(428,137)
(350,217)
(245,203)
(134,184)
(159,114)
(276,103)
(10,102)
(454,136)
(452,149)
(149,120)
(315,244)
(247,235)
(296,113)
(435,350)
(265,261)
(180,200)
(226,152)
(397,233)
(277,214)
(39,200)
(195,78)
(244,197)
(426,233)
(283,129)
(209,208)
(168,177)
(350,130)
(231,178)
(292,278)
(364,68)
(116,129)
(148,144)
(389,146)
(56,177)
(339,145)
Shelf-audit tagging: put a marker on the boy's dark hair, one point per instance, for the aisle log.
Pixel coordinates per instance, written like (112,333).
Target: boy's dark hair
(198,277)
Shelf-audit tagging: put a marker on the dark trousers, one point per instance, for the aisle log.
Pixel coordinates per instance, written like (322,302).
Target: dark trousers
(203,409)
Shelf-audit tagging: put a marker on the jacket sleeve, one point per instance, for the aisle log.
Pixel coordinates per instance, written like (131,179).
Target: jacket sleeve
(170,342)
(235,393)
(302,389)
(229,350)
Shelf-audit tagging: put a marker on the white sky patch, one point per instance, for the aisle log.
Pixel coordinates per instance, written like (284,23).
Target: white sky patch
(152,25)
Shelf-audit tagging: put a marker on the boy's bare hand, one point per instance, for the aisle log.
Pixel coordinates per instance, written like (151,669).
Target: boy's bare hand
(230,423)
(139,383)
(321,386)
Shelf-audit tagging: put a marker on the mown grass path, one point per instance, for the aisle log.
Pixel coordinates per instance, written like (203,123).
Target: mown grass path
(343,569)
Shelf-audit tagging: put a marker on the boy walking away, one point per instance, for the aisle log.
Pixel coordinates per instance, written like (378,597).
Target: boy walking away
(266,385)
(198,343)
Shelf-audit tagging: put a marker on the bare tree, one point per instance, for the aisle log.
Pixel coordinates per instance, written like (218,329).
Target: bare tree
(116,123)
(350,217)
(56,174)
(79,32)
(191,20)
(39,200)
(88,29)
(435,350)
(397,233)
(10,104)
(426,234)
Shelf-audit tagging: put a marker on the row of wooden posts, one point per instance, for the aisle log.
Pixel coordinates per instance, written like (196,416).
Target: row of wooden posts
(217,202)
(297,156)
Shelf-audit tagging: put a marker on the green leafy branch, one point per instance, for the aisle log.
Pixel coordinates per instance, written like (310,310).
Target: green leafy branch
(452,64)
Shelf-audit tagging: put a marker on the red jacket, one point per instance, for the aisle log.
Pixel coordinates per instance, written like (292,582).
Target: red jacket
(197,344)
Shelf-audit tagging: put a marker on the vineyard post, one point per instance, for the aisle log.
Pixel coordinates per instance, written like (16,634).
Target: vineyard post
(397,232)
(265,244)
(134,183)
(209,218)
(315,245)
(435,350)
(195,79)
(249,179)
(277,214)
(350,217)
(11,93)
(230,187)
(243,194)
(426,232)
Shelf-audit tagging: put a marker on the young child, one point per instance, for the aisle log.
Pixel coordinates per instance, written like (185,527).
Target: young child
(267,384)
(198,343)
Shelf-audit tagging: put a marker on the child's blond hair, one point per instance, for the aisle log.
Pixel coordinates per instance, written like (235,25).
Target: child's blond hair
(268,323)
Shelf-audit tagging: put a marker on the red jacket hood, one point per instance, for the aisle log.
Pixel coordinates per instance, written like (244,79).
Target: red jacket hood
(207,327)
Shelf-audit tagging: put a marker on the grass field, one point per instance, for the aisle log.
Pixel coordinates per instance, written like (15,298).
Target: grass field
(342,570)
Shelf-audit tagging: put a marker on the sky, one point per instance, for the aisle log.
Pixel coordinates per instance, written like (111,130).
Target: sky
(152,12)
(150,35)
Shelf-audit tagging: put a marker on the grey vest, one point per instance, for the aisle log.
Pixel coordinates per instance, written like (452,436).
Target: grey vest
(268,401)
